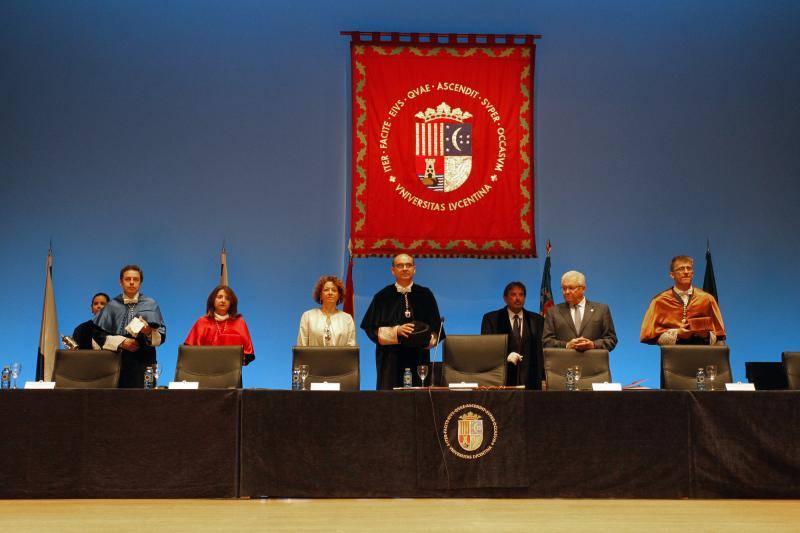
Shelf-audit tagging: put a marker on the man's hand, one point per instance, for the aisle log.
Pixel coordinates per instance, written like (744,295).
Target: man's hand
(432,342)
(147,330)
(129,345)
(514,358)
(405,330)
(581,344)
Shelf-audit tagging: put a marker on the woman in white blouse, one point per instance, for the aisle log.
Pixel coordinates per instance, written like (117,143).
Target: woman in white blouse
(326,325)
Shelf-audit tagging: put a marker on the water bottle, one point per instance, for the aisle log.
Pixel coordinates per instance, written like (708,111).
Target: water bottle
(407,378)
(148,378)
(6,380)
(569,380)
(296,378)
(701,379)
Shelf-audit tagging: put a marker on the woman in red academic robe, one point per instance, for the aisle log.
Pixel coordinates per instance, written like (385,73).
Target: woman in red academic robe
(222,325)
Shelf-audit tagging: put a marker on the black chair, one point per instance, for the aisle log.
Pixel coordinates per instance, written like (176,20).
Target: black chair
(766,375)
(679,364)
(86,369)
(334,364)
(477,359)
(791,365)
(213,367)
(593,363)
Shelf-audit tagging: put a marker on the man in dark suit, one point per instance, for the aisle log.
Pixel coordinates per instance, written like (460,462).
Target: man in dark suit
(525,363)
(578,323)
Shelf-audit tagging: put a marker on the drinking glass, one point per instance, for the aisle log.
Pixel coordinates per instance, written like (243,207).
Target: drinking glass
(711,375)
(157,368)
(422,372)
(569,383)
(16,368)
(576,372)
(303,374)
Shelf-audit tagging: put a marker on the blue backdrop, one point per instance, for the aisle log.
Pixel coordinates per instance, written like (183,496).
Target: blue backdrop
(150,131)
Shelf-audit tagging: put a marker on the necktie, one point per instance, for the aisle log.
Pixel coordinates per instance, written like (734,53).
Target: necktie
(577,319)
(128,315)
(517,327)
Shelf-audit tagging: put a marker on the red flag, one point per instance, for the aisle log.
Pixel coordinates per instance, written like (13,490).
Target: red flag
(350,297)
(442,150)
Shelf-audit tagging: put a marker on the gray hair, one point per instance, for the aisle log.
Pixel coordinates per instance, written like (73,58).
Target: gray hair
(574,274)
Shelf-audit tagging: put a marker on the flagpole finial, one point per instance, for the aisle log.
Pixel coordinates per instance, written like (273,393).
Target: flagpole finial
(708,244)
(223,243)
(548,247)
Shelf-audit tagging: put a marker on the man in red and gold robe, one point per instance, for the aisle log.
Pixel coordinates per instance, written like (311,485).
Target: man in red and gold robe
(683,314)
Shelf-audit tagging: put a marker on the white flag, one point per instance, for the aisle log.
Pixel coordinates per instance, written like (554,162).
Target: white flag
(48,336)
(223,269)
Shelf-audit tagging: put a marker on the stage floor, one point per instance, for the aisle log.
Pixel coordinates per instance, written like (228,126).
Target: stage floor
(385,515)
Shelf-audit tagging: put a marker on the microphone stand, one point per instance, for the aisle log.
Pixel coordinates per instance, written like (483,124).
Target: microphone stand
(433,409)
(436,350)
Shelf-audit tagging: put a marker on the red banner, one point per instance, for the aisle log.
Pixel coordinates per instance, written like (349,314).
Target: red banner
(442,150)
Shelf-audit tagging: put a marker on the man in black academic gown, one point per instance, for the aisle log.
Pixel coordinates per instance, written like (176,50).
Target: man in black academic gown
(390,323)
(525,362)
(83,333)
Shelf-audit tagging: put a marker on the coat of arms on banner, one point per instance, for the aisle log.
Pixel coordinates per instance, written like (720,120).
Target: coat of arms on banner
(470,431)
(443,147)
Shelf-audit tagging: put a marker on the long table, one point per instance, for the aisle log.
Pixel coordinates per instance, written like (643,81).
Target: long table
(119,444)
(265,443)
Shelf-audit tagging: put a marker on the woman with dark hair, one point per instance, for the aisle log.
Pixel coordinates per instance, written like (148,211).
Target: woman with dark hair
(222,324)
(326,325)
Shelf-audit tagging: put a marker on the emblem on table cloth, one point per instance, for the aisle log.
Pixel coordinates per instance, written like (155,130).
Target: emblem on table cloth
(469,433)
(443,147)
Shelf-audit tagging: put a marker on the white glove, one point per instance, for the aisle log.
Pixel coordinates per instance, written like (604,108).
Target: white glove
(514,358)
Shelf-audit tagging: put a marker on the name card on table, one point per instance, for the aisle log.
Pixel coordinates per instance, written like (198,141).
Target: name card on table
(463,385)
(183,385)
(326,386)
(607,386)
(740,386)
(47,385)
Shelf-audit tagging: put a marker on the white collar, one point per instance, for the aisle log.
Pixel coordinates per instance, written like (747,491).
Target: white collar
(512,314)
(128,301)
(403,290)
(221,318)
(687,292)
(580,304)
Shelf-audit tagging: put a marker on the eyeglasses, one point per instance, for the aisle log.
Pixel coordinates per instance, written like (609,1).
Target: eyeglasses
(402,266)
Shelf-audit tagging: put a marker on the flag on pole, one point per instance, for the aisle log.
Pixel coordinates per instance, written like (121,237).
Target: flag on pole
(709,281)
(223,266)
(350,297)
(546,291)
(48,335)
